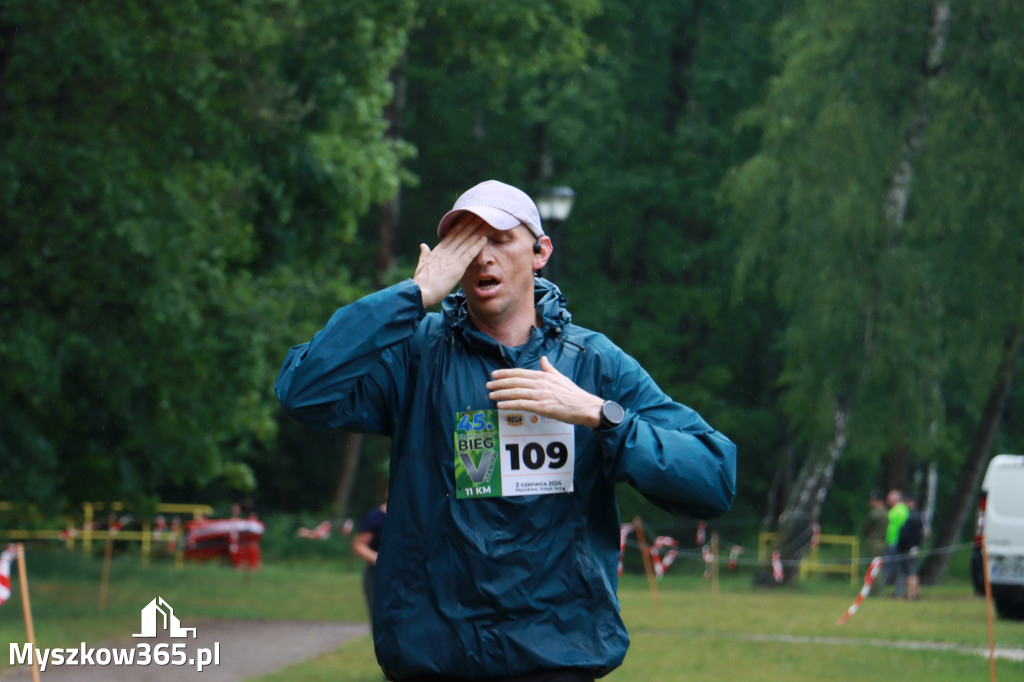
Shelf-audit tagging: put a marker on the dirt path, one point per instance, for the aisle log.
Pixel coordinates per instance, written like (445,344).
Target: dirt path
(246,649)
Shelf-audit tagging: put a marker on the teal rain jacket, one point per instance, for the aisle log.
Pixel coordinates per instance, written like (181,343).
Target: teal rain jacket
(477,588)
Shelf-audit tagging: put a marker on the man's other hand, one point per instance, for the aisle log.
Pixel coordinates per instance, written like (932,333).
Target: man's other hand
(547,392)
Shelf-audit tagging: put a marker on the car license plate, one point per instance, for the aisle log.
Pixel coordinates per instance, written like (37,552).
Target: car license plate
(1006,569)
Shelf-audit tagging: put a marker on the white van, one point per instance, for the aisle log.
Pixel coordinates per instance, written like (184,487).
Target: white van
(1001,520)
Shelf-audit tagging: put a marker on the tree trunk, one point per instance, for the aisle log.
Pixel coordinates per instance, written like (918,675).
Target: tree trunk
(931,488)
(389,214)
(391,210)
(778,493)
(896,466)
(804,505)
(934,566)
(894,206)
(681,57)
(347,474)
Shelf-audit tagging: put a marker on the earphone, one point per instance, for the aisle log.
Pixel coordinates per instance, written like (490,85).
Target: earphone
(536,246)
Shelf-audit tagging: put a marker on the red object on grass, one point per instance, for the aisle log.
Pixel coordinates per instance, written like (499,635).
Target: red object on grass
(236,539)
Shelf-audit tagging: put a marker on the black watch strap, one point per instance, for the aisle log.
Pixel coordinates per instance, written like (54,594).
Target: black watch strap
(612,415)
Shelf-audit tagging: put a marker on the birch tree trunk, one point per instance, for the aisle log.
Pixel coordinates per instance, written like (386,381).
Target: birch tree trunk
(895,204)
(805,503)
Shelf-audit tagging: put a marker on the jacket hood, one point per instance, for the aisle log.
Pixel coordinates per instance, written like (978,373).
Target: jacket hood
(549,301)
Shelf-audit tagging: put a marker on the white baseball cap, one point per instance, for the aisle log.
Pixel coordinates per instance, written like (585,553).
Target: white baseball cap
(499,205)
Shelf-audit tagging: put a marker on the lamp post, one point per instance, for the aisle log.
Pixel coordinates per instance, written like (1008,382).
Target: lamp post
(554,205)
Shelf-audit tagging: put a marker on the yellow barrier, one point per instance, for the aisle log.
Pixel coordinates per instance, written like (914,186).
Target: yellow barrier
(145,536)
(810,564)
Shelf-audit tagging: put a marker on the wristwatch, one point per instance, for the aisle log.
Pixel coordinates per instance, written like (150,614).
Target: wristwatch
(612,415)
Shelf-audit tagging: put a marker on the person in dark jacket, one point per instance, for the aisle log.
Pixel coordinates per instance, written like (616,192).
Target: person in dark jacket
(908,547)
(366,546)
(510,428)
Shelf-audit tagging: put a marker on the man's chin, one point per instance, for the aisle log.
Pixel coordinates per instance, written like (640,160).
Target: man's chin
(484,308)
(489,311)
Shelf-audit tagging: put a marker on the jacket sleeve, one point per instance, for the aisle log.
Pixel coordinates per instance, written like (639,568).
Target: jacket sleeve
(665,449)
(350,376)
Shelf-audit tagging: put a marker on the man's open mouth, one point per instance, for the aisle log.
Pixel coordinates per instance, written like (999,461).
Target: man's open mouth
(487,283)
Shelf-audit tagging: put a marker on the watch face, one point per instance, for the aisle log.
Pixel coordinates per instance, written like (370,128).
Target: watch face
(613,412)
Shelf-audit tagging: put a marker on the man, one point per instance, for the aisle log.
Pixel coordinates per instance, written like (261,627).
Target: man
(511,427)
(898,513)
(876,525)
(908,546)
(874,531)
(366,546)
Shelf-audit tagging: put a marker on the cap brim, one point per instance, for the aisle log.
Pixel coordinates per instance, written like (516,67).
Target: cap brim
(495,217)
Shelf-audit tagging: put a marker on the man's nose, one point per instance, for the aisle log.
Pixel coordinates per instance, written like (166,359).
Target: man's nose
(486,254)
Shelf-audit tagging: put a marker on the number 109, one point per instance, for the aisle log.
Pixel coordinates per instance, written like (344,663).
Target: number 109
(534,455)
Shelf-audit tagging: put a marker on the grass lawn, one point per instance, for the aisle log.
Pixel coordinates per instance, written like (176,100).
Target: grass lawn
(742,633)
(747,633)
(64,591)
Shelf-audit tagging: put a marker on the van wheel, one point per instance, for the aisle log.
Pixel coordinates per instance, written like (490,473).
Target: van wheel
(1009,605)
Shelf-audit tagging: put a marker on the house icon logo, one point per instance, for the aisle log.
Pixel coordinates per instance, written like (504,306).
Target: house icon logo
(151,617)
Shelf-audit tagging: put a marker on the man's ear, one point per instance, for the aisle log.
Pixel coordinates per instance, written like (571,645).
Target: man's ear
(542,249)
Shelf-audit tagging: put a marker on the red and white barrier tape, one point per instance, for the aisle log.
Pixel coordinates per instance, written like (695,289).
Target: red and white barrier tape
(661,564)
(6,557)
(119,525)
(869,579)
(172,539)
(159,528)
(709,559)
(321,532)
(75,532)
(734,557)
(624,531)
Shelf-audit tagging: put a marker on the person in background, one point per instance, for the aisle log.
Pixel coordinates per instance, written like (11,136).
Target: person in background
(874,531)
(898,513)
(366,544)
(908,547)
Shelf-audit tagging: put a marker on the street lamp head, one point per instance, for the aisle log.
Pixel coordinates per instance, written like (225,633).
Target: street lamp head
(555,203)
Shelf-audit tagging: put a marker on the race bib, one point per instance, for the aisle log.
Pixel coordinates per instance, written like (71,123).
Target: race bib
(505,453)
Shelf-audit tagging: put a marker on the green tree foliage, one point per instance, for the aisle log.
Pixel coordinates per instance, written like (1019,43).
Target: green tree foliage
(634,107)
(480,77)
(645,136)
(810,203)
(188,188)
(468,70)
(170,175)
(900,313)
